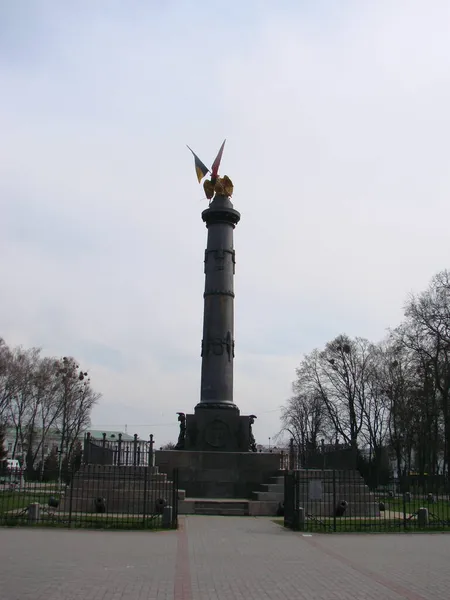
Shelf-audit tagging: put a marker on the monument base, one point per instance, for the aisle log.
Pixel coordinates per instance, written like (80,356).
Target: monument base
(217,430)
(219,474)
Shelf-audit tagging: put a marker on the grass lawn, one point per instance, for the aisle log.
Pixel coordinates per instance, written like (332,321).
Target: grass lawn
(441,508)
(14,500)
(85,521)
(369,525)
(12,513)
(326,525)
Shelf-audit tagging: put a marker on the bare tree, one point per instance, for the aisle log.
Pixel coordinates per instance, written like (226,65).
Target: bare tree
(395,394)
(45,413)
(339,374)
(375,407)
(6,387)
(40,394)
(426,333)
(21,401)
(75,402)
(304,418)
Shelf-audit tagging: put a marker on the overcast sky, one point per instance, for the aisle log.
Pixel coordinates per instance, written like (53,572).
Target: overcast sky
(337,122)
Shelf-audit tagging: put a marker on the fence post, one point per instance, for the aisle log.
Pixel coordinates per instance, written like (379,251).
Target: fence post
(175,499)
(144,504)
(297,514)
(150,451)
(404,510)
(104,462)
(291,454)
(135,442)
(119,449)
(71,495)
(87,448)
(334,500)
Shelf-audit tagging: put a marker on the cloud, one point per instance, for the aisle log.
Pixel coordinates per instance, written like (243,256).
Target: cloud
(337,126)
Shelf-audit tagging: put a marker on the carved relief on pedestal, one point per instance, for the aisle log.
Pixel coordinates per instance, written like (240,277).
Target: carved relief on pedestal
(216,433)
(217,346)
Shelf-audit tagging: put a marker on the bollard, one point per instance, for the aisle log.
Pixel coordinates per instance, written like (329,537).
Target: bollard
(167,517)
(301,519)
(422,517)
(34,513)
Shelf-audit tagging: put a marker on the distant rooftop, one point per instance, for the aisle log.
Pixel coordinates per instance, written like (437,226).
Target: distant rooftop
(110,435)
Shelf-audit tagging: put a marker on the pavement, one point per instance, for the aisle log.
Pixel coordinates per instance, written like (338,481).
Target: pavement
(221,558)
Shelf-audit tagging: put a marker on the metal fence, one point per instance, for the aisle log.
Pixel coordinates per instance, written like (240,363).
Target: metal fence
(118,452)
(95,496)
(336,456)
(337,500)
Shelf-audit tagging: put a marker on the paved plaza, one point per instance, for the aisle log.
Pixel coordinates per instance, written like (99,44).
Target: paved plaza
(222,558)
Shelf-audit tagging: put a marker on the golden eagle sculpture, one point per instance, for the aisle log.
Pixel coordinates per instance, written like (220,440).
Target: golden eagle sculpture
(222,186)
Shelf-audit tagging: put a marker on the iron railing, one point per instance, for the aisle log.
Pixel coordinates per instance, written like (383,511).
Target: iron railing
(118,452)
(338,500)
(333,456)
(96,496)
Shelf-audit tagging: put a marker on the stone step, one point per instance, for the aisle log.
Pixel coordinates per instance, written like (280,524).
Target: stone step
(272,487)
(269,496)
(326,483)
(277,480)
(326,486)
(203,506)
(120,477)
(324,474)
(123,493)
(122,484)
(122,472)
(117,480)
(208,503)
(304,498)
(221,511)
(92,467)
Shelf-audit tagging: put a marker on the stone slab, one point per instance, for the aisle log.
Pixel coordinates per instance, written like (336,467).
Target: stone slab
(218,474)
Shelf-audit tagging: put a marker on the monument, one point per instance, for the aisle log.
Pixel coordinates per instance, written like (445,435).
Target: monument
(216,449)
(217,424)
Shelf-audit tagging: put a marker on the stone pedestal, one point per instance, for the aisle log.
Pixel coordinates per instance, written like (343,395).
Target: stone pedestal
(219,474)
(217,430)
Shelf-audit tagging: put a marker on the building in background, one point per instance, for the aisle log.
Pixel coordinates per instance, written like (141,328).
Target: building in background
(52,442)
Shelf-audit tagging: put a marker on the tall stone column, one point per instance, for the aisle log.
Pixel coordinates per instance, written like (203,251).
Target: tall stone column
(218,316)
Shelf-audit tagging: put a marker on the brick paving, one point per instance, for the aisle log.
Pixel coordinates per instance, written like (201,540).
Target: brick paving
(222,558)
